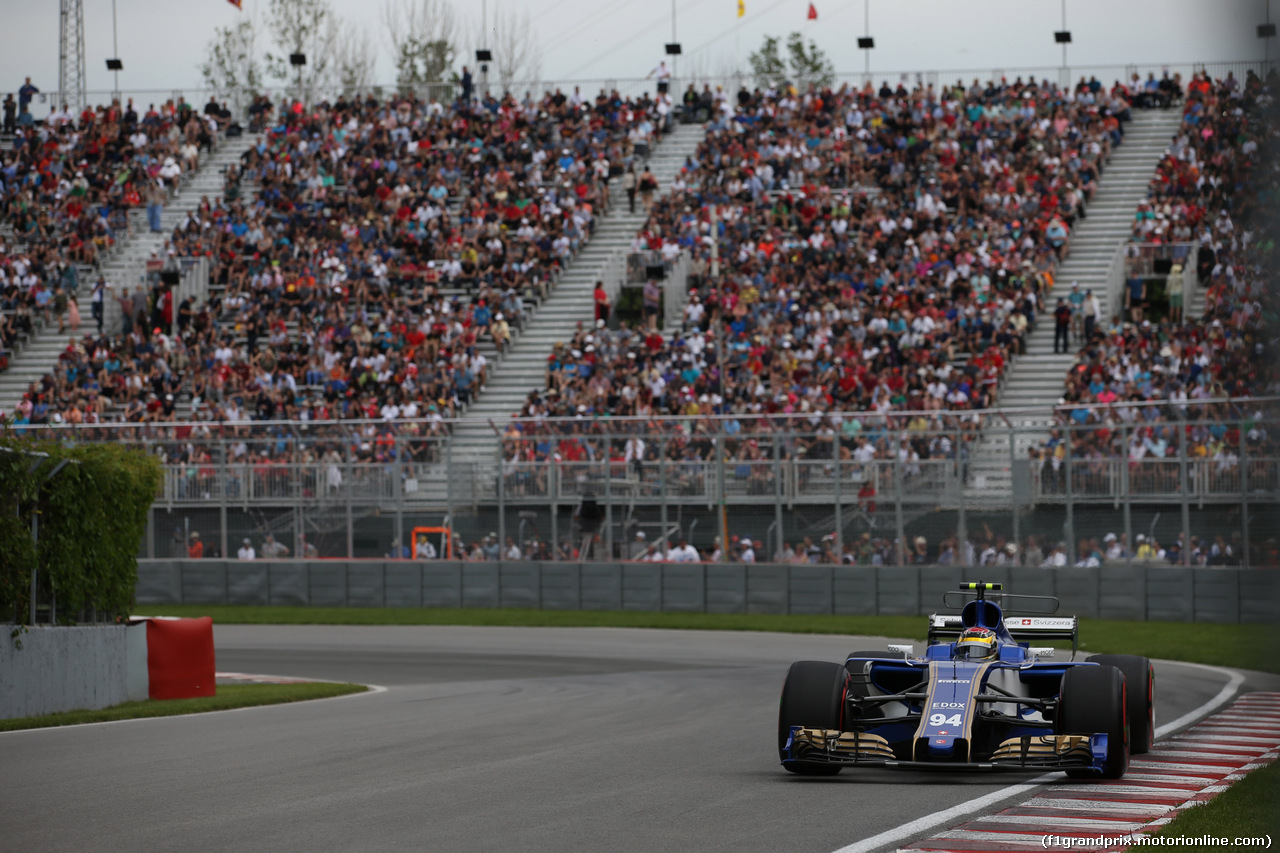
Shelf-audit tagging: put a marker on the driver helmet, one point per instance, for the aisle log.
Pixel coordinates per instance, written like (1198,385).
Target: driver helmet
(976,644)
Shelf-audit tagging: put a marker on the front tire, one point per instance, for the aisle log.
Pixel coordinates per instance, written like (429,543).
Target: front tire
(1139,679)
(1093,701)
(813,697)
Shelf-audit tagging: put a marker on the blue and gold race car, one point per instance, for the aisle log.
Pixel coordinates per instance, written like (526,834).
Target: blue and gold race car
(980,697)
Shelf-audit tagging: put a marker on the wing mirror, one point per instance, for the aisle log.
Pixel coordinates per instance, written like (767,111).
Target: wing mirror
(905,651)
(1041,651)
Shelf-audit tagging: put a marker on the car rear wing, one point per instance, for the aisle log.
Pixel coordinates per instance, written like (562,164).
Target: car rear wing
(1023,629)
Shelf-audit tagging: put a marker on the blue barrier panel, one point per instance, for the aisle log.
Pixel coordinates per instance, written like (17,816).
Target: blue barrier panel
(287,583)
(203,582)
(404,583)
(560,590)
(365,584)
(1077,590)
(442,583)
(683,587)
(480,585)
(327,586)
(898,591)
(767,588)
(247,582)
(1216,595)
(726,588)
(641,586)
(157,582)
(1123,593)
(935,581)
(1169,593)
(855,590)
(518,585)
(810,589)
(601,586)
(1259,595)
(1029,580)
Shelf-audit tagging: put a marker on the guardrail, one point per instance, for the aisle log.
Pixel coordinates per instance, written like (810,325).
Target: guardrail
(1134,593)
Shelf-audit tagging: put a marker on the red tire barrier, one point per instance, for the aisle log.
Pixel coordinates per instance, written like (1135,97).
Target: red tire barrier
(180,660)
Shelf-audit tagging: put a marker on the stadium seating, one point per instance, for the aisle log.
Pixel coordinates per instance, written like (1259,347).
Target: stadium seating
(1141,374)
(387,246)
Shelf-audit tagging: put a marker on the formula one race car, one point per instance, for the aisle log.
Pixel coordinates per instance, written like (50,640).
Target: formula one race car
(981,697)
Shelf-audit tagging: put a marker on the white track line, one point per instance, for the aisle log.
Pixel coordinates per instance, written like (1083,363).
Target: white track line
(1224,696)
(370,691)
(947,816)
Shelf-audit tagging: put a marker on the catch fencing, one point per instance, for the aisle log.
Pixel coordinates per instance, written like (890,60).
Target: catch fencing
(1188,485)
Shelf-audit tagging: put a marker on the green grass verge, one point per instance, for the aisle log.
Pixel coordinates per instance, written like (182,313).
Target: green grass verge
(1245,646)
(229,696)
(1246,809)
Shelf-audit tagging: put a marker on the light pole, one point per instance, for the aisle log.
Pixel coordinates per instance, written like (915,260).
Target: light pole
(866,43)
(115,51)
(1063,37)
(1266,32)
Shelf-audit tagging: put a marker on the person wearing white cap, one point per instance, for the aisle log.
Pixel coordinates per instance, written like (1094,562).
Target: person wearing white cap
(748,553)
(1114,550)
(639,547)
(246,551)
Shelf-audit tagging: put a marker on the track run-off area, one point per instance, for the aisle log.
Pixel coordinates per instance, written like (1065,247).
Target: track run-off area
(516,738)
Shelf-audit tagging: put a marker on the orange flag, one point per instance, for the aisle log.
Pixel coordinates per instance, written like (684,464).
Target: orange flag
(813,13)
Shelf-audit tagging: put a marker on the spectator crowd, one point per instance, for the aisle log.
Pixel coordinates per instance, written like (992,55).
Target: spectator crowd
(385,244)
(1138,377)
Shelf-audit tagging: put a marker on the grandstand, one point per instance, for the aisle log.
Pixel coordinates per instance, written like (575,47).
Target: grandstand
(876,352)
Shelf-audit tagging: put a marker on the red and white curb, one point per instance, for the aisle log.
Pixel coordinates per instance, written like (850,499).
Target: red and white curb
(1183,771)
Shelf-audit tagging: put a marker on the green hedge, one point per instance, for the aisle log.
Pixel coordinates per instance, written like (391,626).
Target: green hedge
(92,518)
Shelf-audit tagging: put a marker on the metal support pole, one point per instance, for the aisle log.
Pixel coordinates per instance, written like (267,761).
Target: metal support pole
(897,507)
(838,475)
(608,508)
(662,485)
(222,500)
(1184,487)
(720,487)
(777,487)
(502,504)
(1069,528)
(448,482)
(1244,498)
(397,488)
(1125,496)
(1017,507)
(351,524)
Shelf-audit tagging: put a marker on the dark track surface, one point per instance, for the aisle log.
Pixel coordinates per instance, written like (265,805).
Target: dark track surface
(528,739)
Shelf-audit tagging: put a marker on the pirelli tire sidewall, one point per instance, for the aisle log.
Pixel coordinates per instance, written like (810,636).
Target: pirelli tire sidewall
(813,696)
(1139,679)
(1093,701)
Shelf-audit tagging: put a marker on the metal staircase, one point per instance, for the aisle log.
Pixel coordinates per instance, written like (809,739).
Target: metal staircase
(1036,379)
(125,268)
(513,374)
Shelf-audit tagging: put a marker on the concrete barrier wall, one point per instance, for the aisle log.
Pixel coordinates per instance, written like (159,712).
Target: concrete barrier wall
(48,670)
(1137,593)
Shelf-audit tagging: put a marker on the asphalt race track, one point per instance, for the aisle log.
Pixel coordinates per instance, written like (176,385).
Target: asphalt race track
(487,739)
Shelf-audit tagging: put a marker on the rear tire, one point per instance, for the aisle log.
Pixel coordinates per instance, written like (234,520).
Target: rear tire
(1139,679)
(1093,701)
(813,697)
